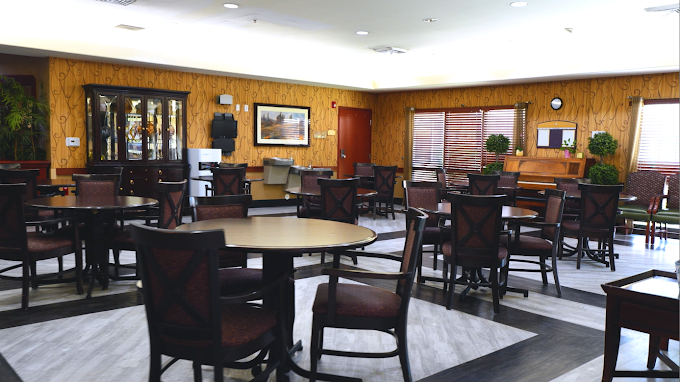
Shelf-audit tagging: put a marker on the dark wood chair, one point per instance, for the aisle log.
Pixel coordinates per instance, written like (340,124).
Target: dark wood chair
(571,207)
(311,205)
(97,184)
(670,214)
(483,184)
(597,219)
(338,203)
(476,226)
(360,306)
(223,207)
(40,218)
(189,317)
(426,195)
(544,246)
(28,248)
(244,166)
(385,178)
(227,181)
(366,180)
(170,208)
(645,186)
(507,185)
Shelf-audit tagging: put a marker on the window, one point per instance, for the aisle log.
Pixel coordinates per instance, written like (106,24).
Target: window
(659,137)
(454,140)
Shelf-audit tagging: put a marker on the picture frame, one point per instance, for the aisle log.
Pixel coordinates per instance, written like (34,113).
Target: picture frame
(281,125)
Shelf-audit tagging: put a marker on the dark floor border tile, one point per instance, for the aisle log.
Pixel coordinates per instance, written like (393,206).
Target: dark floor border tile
(7,373)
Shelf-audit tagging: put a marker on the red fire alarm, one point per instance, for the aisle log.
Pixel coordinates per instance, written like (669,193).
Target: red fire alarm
(334,104)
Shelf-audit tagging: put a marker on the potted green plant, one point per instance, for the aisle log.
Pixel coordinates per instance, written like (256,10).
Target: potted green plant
(569,147)
(601,145)
(519,151)
(22,123)
(498,144)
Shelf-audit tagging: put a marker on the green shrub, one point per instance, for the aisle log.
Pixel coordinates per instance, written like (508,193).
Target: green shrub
(497,143)
(495,166)
(602,144)
(602,173)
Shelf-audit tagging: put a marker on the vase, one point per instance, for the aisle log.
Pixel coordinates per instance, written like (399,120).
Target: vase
(519,153)
(567,154)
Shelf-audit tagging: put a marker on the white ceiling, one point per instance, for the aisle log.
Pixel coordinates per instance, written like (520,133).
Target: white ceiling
(314,41)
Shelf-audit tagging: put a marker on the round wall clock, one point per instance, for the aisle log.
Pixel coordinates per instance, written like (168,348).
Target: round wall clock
(556,103)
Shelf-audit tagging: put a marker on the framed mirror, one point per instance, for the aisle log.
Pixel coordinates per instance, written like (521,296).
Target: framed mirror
(551,134)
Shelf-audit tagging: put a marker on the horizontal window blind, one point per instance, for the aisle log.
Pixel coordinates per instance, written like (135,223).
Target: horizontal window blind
(659,138)
(454,140)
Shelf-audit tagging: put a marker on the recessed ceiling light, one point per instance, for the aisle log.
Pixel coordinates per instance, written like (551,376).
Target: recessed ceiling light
(519,4)
(363,33)
(430,20)
(231,6)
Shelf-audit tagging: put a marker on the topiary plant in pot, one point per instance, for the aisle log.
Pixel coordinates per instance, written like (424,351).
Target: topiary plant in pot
(498,144)
(601,145)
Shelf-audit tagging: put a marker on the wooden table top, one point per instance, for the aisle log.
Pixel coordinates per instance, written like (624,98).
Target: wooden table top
(92,202)
(361,192)
(55,183)
(444,208)
(209,178)
(285,234)
(576,195)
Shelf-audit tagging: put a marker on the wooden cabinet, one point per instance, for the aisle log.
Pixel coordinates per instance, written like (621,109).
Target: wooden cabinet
(141,130)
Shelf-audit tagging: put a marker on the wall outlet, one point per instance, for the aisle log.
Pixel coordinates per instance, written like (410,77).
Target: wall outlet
(245,108)
(238,107)
(72,142)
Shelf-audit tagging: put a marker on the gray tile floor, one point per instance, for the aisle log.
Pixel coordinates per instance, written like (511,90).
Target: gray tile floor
(540,338)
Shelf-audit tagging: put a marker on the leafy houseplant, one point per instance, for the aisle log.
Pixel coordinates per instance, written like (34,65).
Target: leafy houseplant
(498,144)
(519,151)
(569,147)
(601,173)
(22,122)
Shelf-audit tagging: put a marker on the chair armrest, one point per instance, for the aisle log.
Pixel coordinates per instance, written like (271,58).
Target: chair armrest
(370,254)
(655,204)
(255,294)
(347,273)
(537,224)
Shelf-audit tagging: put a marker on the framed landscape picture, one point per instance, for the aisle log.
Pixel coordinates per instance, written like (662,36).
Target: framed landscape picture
(281,125)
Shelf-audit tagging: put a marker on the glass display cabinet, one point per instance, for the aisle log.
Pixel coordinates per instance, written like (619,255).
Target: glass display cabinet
(142,130)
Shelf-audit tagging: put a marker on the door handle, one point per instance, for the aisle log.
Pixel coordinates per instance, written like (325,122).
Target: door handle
(342,154)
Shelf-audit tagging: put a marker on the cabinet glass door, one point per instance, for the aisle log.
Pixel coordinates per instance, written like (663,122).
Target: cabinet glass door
(175,128)
(108,123)
(154,128)
(133,128)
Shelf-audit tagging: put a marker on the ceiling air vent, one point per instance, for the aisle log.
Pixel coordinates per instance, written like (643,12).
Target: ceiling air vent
(119,2)
(129,27)
(665,9)
(389,50)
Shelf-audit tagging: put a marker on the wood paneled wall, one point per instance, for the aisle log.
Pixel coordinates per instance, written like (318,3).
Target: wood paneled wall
(597,104)
(67,104)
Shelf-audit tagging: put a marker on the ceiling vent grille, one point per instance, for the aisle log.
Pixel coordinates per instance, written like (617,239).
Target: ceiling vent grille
(667,10)
(119,2)
(129,27)
(389,50)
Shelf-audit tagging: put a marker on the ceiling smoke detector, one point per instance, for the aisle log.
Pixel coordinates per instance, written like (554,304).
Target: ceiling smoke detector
(119,2)
(666,9)
(389,50)
(129,27)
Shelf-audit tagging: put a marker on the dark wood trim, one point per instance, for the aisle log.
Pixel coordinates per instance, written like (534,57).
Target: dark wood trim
(466,109)
(71,171)
(664,101)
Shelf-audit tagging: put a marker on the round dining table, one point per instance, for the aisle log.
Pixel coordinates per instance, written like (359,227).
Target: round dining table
(279,239)
(301,192)
(98,215)
(53,186)
(576,195)
(508,213)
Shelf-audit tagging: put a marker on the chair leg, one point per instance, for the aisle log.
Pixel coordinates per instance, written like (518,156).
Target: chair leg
(403,354)
(653,234)
(155,367)
(495,290)
(314,351)
(647,233)
(34,275)
(445,276)
(435,255)
(25,281)
(198,374)
(557,280)
(579,252)
(544,274)
(116,261)
(452,287)
(611,254)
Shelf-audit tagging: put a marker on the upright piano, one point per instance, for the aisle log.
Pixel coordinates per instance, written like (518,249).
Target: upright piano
(538,174)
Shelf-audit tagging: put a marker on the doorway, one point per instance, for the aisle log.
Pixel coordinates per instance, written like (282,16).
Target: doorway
(354,139)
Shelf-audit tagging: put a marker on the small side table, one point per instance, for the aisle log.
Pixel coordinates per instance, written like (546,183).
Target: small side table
(646,302)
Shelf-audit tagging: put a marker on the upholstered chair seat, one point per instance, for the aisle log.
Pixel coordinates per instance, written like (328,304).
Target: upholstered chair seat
(354,300)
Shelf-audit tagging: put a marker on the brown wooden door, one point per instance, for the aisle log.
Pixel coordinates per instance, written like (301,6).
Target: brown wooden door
(354,137)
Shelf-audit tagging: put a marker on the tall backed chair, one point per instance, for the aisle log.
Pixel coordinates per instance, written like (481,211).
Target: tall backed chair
(507,185)
(668,215)
(244,166)
(41,219)
(475,243)
(645,186)
(27,248)
(190,318)
(597,219)
(311,205)
(571,207)
(360,306)
(483,184)
(227,181)
(385,177)
(223,207)
(170,209)
(338,203)
(97,184)
(425,195)
(544,246)
(367,180)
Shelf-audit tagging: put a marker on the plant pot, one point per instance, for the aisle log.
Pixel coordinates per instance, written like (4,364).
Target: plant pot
(519,153)
(567,154)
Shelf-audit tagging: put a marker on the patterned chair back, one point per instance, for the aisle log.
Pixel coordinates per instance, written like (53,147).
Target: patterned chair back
(673,186)
(644,185)
(599,208)
(97,184)
(483,184)
(13,240)
(228,181)
(171,203)
(220,207)
(423,195)
(339,199)
(29,177)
